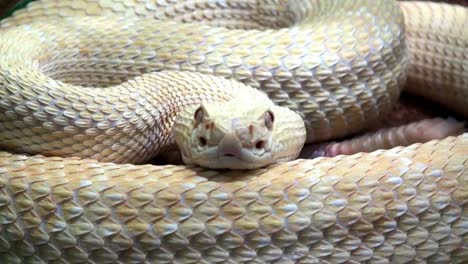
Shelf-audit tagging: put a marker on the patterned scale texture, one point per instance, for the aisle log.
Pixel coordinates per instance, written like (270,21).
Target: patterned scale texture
(301,63)
(404,205)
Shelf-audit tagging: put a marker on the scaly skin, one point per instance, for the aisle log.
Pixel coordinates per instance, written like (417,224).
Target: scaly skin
(337,89)
(405,205)
(438,47)
(386,138)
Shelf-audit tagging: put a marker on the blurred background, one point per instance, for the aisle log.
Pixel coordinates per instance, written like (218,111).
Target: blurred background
(7,7)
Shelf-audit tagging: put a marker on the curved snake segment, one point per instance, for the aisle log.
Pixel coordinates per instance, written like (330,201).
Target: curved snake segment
(438,54)
(127,123)
(402,205)
(405,135)
(338,89)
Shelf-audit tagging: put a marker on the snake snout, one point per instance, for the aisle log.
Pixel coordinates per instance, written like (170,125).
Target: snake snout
(230,146)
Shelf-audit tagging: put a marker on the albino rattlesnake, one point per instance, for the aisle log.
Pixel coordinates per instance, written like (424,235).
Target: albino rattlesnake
(340,65)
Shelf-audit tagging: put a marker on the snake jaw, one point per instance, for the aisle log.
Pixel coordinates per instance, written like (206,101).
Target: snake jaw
(222,135)
(234,148)
(229,139)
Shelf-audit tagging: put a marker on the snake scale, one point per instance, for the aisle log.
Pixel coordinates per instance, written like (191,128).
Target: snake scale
(339,64)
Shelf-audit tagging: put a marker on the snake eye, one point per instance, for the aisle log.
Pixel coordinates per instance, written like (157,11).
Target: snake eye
(202,141)
(260,144)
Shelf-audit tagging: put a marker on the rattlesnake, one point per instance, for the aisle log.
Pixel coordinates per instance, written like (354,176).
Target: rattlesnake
(338,65)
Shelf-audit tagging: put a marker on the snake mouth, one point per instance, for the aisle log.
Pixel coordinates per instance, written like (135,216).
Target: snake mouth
(232,156)
(215,159)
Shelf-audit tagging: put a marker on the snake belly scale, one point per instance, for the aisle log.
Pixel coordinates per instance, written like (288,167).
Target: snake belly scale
(77,81)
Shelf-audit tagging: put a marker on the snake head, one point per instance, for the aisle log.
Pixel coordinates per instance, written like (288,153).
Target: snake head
(224,136)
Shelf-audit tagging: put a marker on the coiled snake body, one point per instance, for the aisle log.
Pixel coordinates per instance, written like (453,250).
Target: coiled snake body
(339,64)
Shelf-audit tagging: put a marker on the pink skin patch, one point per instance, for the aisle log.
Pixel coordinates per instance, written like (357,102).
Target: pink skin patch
(417,132)
(386,138)
(409,123)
